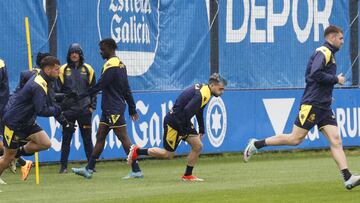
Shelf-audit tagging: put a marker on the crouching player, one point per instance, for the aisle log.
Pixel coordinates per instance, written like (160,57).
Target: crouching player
(178,125)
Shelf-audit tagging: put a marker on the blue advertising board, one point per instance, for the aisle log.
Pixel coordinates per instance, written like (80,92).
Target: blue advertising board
(230,121)
(156,39)
(13,48)
(267,44)
(166,43)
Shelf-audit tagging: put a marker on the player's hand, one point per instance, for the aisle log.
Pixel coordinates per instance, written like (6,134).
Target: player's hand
(69,100)
(135,117)
(67,103)
(341,79)
(91,109)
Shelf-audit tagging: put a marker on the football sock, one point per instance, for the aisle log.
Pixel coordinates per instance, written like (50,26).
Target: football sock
(135,166)
(21,152)
(188,171)
(21,161)
(346,174)
(91,163)
(142,151)
(260,144)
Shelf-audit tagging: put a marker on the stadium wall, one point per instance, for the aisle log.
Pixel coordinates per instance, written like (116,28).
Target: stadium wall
(230,121)
(13,39)
(263,44)
(268,43)
(166,44)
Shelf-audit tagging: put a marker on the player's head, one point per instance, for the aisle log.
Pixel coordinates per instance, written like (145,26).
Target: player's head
(75,54)
(107,48)
(334,35)
(217,84)
(40,57)
(51,66)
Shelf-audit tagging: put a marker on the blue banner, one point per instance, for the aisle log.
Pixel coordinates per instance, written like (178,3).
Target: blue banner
(156,39)
(13,37)
(230,121)
(267,44)
(165,43)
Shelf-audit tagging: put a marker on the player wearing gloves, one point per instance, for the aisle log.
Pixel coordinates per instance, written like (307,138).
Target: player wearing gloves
(24,106)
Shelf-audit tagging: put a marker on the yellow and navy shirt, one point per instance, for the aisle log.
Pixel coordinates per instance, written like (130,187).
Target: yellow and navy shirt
(115,88)
(4,86)
(29,102)
(191,102)
(77,79)
(320,77)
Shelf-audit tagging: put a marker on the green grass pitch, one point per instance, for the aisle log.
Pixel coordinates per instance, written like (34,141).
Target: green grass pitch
(268,177)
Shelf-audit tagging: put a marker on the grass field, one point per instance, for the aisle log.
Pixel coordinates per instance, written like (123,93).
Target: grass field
(272,177)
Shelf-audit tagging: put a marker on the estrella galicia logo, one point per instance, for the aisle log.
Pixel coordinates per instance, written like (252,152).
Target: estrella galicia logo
(134,25)
(216,121)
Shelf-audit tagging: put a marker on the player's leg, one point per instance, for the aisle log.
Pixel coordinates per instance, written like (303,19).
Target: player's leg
(294,138)
(85,128)
(155,152)
(8,156)
(87,171)
(22,162)
(336,147)
(161,153)
(37,138)
(1,146)
(26,165)
(38,141)
(122,135)
(196,147)
(307,118)
(332,134)
(12,165)
(10,146)
(67,135)
(170,142)
(99,145)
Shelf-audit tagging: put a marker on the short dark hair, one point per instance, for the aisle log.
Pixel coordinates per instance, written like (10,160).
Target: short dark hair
(216,78)
(40,56)
(109,42)
(332,29)
(49,61)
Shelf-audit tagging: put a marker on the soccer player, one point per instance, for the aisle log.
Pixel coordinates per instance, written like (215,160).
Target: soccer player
(178,125)
(26,165)
(115,92)
(76,76)
(315,109)
(19,116)
(4,95)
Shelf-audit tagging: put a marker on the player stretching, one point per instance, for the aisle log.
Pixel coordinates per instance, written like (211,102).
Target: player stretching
(178,125)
